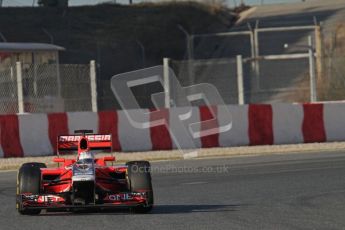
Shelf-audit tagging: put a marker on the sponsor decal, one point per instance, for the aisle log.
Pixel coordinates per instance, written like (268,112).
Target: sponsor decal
(89,137)
(50,199)
(30,197)
(43,199)
(124,196)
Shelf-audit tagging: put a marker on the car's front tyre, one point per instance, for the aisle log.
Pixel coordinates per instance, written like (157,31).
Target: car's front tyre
(29,181)
(139,179)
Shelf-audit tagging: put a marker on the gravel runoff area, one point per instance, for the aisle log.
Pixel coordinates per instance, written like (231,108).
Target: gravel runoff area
(14,163)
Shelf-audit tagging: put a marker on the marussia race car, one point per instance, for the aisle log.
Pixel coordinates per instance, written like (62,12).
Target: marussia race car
(84,183)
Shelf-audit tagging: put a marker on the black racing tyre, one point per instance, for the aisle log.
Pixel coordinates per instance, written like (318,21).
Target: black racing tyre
(139,179)
(29,181)
(35,164)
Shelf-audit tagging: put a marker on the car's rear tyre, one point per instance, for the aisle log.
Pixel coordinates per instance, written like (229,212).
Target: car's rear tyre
(29,181)
(139,180)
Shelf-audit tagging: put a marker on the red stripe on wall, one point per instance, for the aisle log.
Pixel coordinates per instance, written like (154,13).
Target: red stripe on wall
(160,136)
(58,125)
(313,124)
(108,124)
(260,119)
(10,140)
(208,123)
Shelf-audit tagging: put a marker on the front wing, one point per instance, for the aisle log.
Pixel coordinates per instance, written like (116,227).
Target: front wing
(56,202)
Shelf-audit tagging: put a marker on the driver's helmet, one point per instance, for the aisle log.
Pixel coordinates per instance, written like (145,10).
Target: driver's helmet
(85,155)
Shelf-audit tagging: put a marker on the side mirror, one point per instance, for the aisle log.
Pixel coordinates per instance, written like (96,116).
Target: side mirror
(109,158)
(59,160)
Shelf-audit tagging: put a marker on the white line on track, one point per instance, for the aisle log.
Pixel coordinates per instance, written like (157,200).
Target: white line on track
(194,183)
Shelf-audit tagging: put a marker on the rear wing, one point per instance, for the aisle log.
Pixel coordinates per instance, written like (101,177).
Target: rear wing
(69,143)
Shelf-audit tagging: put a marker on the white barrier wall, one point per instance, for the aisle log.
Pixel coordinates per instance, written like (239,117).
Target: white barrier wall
(287,123)
(35,134)
(334,120)
(238,134)
(130,137)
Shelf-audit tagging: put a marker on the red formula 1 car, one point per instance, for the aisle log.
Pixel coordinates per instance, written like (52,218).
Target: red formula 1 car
(86,182)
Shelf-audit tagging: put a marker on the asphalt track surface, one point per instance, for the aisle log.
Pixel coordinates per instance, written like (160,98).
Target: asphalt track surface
(294,191)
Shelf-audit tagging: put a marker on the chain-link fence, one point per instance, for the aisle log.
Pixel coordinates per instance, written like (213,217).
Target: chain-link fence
(276,66)
(222,45)
(331,86)
(276,80)
(75,87)
(264,81)
(275,77)
(272,72)
(275,63)
(8,90)
(40,88)
(44,88)
(222,73)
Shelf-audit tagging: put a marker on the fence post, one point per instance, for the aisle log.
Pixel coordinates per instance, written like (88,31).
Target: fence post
(20,87)
(256,42)
(93,86)
(166,82)
(252,45)
(319,51)
(257,54)
(240,80)
(313,96)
